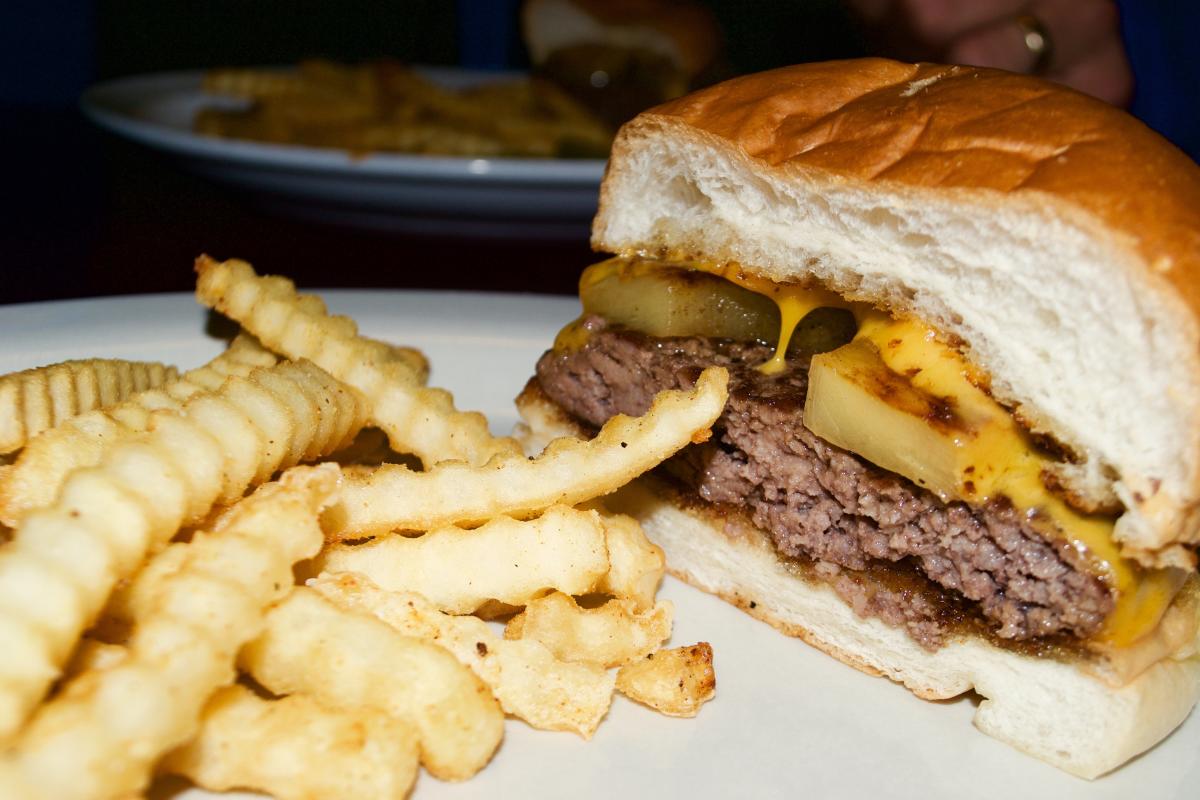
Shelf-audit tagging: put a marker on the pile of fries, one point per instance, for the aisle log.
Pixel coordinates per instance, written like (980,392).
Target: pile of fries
(385,106)
(299,553)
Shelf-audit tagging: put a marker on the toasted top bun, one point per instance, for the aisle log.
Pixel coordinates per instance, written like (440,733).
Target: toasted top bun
(1057,237)
(683,32)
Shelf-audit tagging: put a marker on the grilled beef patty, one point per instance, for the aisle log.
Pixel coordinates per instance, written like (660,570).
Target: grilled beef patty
(823,503)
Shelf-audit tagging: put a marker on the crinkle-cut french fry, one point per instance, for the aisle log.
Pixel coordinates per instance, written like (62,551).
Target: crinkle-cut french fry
(414,360)
(38,399)
(327,80)
(351,660)
(568,471)
(526,678)
(673,682)
(635,564)
(101,736)
(243,354)
(137,596)
(371,448)
(93,654)
(610,635)
(294,748)
(64,560)
(253,83)
(418,420)
(509,560)
(385,106)
(82,440)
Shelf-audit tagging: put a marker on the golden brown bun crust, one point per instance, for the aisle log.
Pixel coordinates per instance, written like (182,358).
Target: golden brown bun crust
(934,126)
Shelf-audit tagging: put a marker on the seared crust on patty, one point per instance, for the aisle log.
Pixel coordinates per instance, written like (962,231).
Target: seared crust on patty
(823,503)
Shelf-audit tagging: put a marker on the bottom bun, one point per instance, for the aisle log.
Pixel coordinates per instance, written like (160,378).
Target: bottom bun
(1053,709)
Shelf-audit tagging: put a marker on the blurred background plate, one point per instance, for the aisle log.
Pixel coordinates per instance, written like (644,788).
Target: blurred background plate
(474,197)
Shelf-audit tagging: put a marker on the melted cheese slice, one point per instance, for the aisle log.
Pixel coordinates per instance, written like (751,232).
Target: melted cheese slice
(795,303)
(999,459)
(1002,457)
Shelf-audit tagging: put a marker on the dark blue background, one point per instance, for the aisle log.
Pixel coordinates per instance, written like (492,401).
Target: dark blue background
(88,214)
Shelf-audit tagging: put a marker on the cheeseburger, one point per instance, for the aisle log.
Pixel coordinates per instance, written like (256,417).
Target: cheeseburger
(961,313)
(618,57)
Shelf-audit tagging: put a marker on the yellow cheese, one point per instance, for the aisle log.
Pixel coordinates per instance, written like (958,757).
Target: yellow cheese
(998,458)
(603,270)
(572,337)
(794,301)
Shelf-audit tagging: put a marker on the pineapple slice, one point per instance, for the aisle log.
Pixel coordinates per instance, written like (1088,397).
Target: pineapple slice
(905,402)
(857,403)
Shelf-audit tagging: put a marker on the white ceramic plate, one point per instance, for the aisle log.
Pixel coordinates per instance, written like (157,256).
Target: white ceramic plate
(499,197)
(787,722)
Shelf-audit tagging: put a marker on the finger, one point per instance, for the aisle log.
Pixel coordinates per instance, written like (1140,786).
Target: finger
(1100,69)
(1001,45)
(940,22)
(1078,29)
(1076,32)
(1105,74)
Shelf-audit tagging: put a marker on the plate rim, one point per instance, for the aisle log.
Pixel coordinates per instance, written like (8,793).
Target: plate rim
(106,105)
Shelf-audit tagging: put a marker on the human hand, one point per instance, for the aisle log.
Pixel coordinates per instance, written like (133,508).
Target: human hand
(1082,38)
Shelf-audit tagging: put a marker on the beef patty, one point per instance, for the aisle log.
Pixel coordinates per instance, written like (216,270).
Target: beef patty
(823,503)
